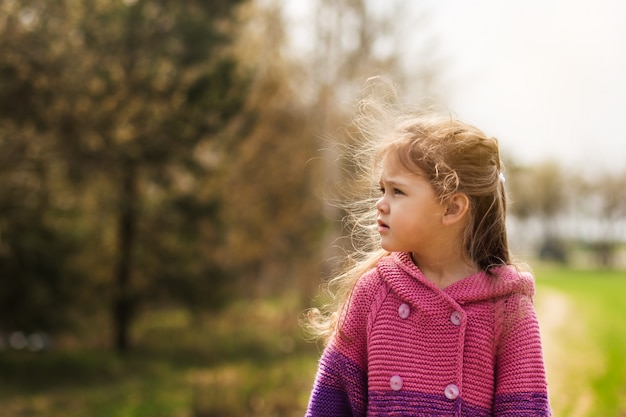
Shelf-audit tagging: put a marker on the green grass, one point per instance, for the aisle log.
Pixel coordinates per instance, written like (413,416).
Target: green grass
(251,360)
(88,383)
(588,374)
(247,361)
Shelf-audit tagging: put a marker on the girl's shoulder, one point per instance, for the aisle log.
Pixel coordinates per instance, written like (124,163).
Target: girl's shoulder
(515,280)
(368,284)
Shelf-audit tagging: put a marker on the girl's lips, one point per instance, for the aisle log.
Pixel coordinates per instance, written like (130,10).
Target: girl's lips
(382,226)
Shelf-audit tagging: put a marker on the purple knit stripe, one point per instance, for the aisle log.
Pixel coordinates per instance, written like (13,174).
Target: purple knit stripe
(421,405)
(328,402)
(342,386)
(527,404)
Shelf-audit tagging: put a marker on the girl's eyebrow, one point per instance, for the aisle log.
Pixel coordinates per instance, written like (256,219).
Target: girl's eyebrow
(392,182)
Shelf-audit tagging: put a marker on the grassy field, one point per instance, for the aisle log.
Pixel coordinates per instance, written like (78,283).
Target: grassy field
(583,318)
(251,360)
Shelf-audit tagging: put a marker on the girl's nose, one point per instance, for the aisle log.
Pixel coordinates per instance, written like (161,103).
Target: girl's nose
(381,205)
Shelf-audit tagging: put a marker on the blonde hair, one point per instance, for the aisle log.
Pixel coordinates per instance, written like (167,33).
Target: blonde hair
(456,158)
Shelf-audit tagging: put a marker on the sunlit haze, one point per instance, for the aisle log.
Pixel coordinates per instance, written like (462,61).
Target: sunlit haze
(545,77)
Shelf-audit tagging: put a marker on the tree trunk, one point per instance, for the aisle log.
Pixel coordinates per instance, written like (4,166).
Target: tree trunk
(123,301)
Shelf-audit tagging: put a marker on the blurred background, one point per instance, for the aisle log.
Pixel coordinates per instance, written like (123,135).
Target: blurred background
(165,169)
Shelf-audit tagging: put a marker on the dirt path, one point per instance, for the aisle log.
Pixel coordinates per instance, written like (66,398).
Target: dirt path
(570,357)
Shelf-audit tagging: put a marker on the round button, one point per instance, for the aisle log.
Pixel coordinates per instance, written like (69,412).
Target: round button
(404,310)
(451,392)
(395,383)
(456,317)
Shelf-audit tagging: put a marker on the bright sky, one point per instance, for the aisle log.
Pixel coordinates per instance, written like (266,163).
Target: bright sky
(548,78)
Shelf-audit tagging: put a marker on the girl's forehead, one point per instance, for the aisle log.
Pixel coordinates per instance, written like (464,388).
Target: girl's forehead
(391,166)
(391,163)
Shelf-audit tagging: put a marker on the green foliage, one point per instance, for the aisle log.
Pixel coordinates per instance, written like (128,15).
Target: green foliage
(107,104)
(149,159)
(37,244)
(36,275)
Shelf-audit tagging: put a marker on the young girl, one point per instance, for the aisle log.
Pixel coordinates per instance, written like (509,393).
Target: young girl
(438,322)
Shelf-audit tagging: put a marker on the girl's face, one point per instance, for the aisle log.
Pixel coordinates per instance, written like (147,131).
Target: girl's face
(409,212)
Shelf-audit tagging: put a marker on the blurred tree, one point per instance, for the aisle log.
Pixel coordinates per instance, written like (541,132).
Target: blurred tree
(541,192)
(274,217)
(128,98)
(603,202)
(353,40)
(35,250)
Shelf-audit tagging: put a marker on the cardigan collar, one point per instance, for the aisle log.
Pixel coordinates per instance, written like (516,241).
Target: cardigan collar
(408,281)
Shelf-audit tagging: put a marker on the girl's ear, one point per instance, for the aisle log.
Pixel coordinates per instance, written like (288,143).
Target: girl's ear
(456,208)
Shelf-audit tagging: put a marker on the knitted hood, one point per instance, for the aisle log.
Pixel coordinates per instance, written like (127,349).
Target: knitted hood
(412,284)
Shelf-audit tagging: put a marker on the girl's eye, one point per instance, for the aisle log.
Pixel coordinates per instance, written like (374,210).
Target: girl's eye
(395,191)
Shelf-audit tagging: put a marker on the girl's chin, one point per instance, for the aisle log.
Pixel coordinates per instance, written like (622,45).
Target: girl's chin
(388,246)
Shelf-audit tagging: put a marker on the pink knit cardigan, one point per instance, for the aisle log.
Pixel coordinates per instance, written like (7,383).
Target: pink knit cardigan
(408,348)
